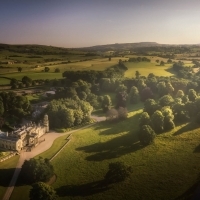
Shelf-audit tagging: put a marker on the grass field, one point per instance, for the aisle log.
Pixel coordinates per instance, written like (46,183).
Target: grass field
(164,170)
(145,68)
(6,170)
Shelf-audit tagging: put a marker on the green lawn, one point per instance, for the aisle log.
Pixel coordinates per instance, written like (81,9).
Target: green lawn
(164,170)
(7,169)
(145,68)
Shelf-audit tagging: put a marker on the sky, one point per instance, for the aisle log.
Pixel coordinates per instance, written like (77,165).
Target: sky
(83,23)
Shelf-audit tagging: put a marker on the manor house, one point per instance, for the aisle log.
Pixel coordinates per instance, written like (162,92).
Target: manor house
(27,135)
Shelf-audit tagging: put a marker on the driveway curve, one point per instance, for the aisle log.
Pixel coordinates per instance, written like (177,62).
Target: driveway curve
(49,139)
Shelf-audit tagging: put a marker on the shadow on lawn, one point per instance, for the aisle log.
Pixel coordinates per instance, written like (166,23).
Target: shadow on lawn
(113,148)
(118,126)
(197,149)
(189,127)
(6,176)
(193,193)
(117,146)
(83,190)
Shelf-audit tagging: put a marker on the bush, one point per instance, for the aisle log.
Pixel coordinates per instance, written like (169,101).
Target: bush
(117,172)
(146,135)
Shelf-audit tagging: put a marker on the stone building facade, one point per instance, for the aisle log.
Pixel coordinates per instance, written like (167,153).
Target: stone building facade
(27,135)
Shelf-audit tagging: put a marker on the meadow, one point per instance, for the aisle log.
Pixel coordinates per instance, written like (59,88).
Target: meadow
(167,169)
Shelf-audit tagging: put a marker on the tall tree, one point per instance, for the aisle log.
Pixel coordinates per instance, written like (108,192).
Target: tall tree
(106,103)
(157,120)
(134,95)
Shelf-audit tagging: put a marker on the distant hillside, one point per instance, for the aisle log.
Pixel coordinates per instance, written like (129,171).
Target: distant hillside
(122,46)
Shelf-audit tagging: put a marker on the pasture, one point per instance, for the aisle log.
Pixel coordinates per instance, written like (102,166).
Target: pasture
(145,68)
(164,170)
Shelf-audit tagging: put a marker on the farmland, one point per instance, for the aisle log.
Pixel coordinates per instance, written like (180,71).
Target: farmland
(166,169)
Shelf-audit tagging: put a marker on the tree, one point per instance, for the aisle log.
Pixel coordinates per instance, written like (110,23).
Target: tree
(162,90)
(192,95)
(35,170)
(169,88)
(144,119)
(1,107)
(106,103)
(166,100)
(134,95)
(57,70)
(168,118)
(19,69)
(46,69)
(42,191)
(146,135)
(27,81)
(169,61)
(162,63)
(150,106)
(157,120)
(121,98)
(180,94)
(117,172)
(146,94)
(137,74)
(157,61)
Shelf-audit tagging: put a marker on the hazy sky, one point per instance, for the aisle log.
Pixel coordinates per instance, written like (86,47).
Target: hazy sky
(79,23)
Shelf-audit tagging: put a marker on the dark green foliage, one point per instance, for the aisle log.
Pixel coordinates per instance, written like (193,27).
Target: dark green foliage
(15,106)
(146,135)
(57,70)
(180,94)
(146,93)
(117,172)
(150,106)
(166,100)
(106,103)
(144,119)
(1,107)
(121,99)
(137,74)
(162,63)
(46,69)
(168,118)
(65,113)
(42,191)
(134,95)
(27,81)
(35,170)
(162,89)
(157,120)
(19,69)
(192,95)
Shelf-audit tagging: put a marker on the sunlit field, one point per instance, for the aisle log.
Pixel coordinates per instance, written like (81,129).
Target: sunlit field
(145,68)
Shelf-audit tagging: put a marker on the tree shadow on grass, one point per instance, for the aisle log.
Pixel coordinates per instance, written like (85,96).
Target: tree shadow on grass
(192,193)
(197,149)
(83,190)
(118,126)
(113,148)
(189,127)
(6,176)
